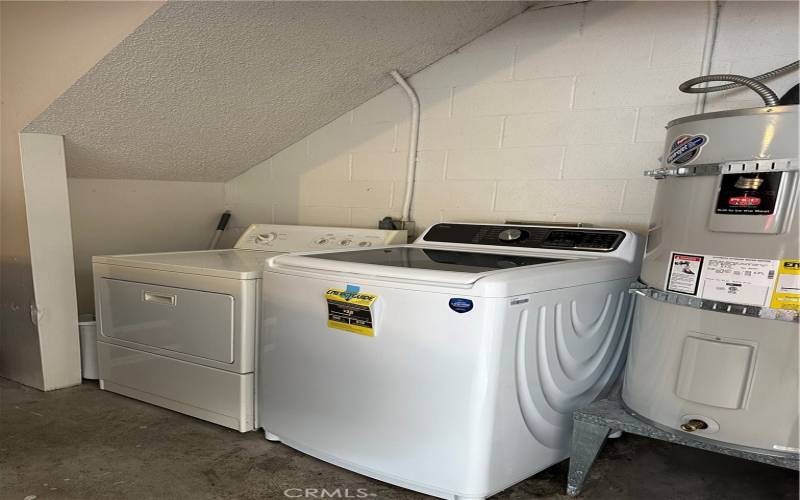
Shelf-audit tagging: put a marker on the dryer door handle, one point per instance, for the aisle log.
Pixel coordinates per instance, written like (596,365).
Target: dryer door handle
(160,298)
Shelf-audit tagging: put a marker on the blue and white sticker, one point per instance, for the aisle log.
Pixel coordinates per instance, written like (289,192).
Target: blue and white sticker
(686,148)
(461,305)
(351,291)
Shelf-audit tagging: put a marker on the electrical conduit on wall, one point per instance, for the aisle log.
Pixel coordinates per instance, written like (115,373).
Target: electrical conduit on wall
(708,50)
(754,83)
(413,140)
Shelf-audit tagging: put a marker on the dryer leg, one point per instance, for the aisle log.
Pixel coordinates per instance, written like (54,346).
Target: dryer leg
(270,436)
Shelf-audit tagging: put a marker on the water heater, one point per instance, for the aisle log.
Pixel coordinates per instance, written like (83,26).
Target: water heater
(714,341)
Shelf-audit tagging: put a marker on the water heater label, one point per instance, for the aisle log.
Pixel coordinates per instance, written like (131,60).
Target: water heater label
(748,193)
(787,287)
(684,273)
(735,280)
(738,280)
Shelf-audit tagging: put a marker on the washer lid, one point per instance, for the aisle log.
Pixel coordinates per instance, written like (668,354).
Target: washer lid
(235,264)
(436,259)
(415,263)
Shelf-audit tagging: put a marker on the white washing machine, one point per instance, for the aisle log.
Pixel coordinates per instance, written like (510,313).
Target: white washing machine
(450,366)
(179,329)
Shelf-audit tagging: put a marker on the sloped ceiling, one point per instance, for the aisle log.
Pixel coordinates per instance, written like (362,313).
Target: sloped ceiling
(205,90)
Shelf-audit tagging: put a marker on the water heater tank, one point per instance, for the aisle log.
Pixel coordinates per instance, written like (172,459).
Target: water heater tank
(714,342)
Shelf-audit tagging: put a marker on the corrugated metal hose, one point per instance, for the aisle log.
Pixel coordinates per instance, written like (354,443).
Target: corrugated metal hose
(754,83)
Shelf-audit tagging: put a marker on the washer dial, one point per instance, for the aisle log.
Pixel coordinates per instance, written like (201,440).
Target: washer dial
(510,235)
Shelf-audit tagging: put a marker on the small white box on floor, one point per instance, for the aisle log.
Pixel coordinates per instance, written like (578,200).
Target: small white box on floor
(87,329)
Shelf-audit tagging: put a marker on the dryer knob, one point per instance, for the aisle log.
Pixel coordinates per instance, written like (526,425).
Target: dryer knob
(510,235)
(265,238)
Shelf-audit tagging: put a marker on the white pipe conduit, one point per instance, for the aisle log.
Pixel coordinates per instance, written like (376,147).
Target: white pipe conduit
(708,51)
(412,144)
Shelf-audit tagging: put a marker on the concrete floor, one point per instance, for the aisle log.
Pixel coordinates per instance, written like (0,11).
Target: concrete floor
(83,443)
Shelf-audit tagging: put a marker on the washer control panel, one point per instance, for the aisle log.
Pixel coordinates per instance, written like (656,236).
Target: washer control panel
(285,238)
(577,239)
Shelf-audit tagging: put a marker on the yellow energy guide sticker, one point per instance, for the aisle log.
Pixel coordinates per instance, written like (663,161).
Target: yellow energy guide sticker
(787,287)
(351,310)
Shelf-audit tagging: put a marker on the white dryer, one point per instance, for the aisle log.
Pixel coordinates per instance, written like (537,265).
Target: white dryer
(450,366)
(179,329)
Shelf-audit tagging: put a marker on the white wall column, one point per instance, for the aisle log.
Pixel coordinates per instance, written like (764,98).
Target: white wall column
(54,311)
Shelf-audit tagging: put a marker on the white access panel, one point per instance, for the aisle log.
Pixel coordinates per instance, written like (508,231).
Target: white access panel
(727,364)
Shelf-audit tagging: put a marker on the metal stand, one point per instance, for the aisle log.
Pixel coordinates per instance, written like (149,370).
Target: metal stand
(593,424)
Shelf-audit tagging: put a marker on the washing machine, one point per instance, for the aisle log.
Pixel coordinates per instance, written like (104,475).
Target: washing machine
(450,366)
(179,329)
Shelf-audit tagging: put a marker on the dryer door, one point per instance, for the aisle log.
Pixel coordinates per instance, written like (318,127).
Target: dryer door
(194,322)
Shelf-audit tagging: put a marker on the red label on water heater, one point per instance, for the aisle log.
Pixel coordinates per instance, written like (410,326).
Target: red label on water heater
(748,193)
(744,201)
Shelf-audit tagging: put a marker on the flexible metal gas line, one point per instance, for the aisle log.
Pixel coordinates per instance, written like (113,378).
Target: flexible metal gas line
(754,83)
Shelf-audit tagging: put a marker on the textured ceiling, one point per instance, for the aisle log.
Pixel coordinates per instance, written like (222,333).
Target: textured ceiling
(205,90)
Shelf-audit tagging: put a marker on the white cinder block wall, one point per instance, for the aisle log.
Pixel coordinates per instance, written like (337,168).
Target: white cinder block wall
(552,116)
(120,216)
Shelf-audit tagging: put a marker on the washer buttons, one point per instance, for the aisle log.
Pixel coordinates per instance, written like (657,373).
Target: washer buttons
(345,243)
(364,244)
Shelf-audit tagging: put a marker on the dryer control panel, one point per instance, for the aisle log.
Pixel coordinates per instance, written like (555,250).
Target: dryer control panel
(578,239)
(286,238)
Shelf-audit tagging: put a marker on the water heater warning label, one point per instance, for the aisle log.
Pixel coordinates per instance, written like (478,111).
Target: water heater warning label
(684,273)
(736,280)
